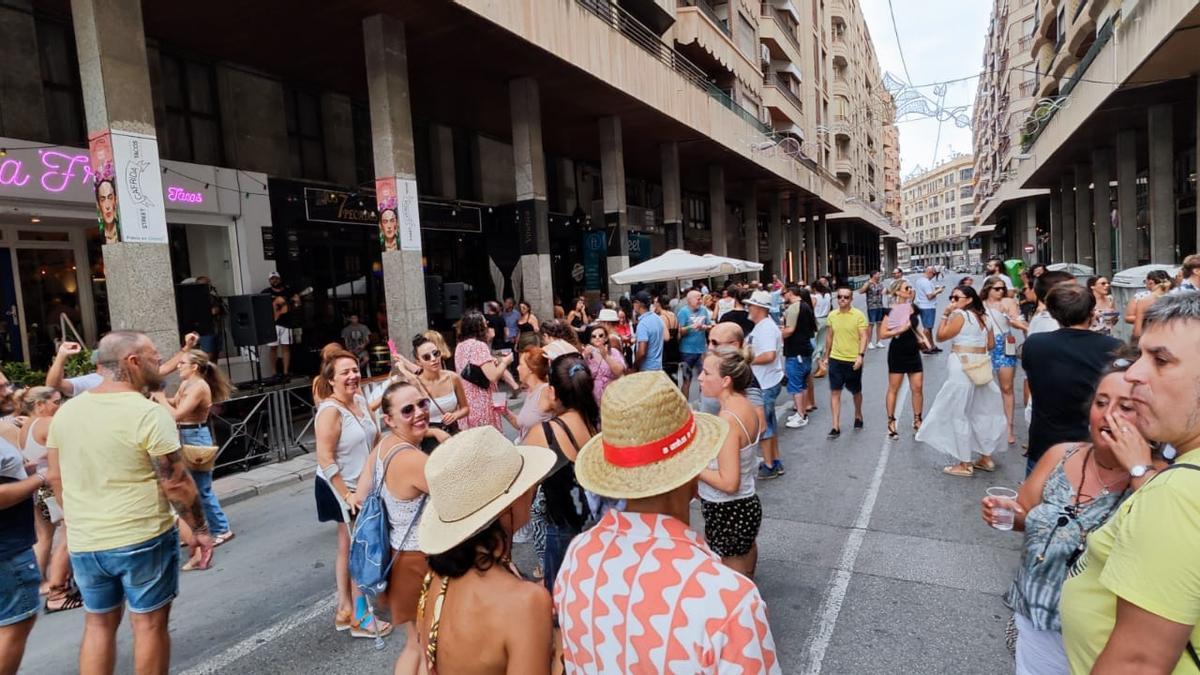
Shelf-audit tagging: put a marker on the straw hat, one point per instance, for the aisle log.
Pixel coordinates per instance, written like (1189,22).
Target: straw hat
(759,299)
(608,315)
(652,442)
(473,477)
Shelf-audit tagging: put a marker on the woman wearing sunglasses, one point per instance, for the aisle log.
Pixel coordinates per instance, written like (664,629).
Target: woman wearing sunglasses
(1005,317)
(398,469)
(1072,490)
(902,326)
(603,360)
(1105,316)
(444,390)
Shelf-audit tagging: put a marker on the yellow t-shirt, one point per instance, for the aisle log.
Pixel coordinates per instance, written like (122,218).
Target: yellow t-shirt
(1145,554)
(110,495)
(845,327)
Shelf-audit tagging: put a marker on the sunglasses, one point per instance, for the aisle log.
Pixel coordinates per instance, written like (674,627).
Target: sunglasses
(843,297)
(714,343)
(598,336)
(407,411)
(432,356)
(958,297)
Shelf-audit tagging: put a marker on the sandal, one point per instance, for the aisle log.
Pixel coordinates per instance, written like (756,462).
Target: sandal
(916,421)
(988,466)
(959,470)
(342,620)
(196,565)
(365,627)
(891,429)
(222,538)
(72,600)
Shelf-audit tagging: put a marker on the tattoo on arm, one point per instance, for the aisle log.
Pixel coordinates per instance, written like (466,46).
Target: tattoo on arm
(175,481)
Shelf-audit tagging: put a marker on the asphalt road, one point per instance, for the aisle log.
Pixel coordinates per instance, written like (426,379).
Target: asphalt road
(872,561)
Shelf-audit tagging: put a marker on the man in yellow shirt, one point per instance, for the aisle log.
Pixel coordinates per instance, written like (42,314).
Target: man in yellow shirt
(845,347)
(1131,603)
(115,465)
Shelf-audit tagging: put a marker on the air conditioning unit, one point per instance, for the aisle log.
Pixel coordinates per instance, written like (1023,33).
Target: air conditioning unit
(765,55)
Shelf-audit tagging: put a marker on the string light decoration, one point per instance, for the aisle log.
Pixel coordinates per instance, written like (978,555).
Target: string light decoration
(912,104)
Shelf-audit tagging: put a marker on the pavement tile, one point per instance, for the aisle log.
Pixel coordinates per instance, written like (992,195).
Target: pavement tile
(980,567)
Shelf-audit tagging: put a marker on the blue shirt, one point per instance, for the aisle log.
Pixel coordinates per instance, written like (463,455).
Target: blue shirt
(693,341)
(510,322)
(650,331)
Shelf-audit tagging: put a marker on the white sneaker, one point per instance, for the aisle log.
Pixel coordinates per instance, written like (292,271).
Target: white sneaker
(797,422)
(870,345)
(793,416)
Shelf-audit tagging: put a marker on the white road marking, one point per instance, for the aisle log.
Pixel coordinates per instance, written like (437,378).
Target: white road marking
(245,647)
(839,583)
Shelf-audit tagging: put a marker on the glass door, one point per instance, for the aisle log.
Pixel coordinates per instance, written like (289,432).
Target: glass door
(49,291)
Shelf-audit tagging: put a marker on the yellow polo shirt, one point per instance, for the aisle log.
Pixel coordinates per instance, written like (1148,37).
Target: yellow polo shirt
(845,327)
(1146,555)
(105,444)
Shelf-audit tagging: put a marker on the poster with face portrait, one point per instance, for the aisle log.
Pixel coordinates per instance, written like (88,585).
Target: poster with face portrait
(385,204)
(399,215)
(129,191)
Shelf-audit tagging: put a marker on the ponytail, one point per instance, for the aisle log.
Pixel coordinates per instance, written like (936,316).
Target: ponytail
(218,383)
(734,363)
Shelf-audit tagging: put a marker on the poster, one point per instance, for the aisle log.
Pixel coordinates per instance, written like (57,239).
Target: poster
(408,212)
(389,223)
(128,186)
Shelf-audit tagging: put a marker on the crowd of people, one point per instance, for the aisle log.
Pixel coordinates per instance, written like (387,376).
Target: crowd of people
(613,442)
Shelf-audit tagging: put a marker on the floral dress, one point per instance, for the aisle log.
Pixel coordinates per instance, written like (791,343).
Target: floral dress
(479,399)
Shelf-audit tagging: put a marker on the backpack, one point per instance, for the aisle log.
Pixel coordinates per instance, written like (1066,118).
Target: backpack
(371,555)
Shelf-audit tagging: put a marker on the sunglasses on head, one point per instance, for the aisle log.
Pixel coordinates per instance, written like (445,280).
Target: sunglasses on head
(432,355)
(407,411)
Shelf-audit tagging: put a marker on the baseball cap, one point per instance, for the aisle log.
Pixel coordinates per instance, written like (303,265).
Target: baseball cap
(273,275)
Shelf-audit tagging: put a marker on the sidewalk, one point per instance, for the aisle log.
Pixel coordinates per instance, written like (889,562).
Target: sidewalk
(265,479)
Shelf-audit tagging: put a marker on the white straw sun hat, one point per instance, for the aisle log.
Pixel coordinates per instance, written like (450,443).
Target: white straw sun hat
(651,443)
(473,478)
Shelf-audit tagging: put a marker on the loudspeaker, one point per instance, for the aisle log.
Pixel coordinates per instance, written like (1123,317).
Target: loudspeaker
(193,310)
(251,321)
(433,294)
(455,296)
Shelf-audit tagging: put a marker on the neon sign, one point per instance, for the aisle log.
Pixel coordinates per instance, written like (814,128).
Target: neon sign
(57,171)
(178,194)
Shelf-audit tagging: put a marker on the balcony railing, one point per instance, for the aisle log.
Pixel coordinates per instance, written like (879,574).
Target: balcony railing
(781,84)
(1102,38)
(708,11)
(785,26)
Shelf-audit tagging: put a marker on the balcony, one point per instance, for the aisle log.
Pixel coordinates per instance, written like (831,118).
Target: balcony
(708,11)
(1082,31)
(843,168)
(777,94)
(839,50)
(840,87)
(840,128)
(704,39)
(776,28)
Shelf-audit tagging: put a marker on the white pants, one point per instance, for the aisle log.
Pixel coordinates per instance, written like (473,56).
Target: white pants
(1039,652)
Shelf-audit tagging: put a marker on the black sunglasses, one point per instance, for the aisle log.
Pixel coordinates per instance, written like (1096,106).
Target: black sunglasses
(407,411)
(431,356)
(714,343)
(843,297)
(958,297)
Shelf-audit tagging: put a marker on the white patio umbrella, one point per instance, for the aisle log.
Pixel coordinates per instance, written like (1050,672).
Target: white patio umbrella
(679,264)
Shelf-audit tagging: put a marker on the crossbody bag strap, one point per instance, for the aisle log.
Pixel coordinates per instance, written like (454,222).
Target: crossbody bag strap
(570,436)
(432,398)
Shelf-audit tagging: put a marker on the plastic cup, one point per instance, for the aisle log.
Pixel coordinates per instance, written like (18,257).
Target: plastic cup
(1004,515)
(499,400)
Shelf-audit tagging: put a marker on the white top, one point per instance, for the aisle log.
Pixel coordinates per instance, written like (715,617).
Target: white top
(34,451)
(400,512)
(766,338)
(822,303)
(747,467)
(84,383)
(924,287)
(354,443)
(448,403)
(1000,322)
(1042,322)
(972,334)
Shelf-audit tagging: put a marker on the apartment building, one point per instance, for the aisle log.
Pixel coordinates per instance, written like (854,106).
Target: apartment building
(1112,136)
(938,212)
(1004,98)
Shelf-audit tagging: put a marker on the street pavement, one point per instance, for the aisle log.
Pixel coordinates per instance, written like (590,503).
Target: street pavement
(871,561)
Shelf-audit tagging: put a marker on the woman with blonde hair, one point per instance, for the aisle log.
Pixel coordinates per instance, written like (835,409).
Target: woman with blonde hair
(1159,283)
(201,385)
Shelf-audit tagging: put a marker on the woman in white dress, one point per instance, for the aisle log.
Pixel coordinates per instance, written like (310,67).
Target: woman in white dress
(966,419)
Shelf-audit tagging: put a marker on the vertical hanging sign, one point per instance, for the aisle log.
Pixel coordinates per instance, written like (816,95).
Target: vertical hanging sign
(399,215)
(128,187)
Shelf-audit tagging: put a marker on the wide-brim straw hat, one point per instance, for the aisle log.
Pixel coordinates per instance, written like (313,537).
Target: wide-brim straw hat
(473,478)
(759,299)
(651,442)
(609,315)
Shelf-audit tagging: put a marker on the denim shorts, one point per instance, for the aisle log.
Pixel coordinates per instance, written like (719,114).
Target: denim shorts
(876,314)
(928,317)
(691,362)
(19,579)
(769,396)
(797,368)
(145,576)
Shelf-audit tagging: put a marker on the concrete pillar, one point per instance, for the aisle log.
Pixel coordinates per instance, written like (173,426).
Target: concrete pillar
(777,251)
(1055,225)
(823,262)
(1101,199)
(1162,184)
(1068,218)
(20,75)
(1127,238)
(810,244)
(672,198)
(386,52)
(337,127)
(1085,248)
(750,219)
(533,212)
(441,157)
(115,77)
(616,216)
(1029,231)
(716,209)
(892,254)
(567,197)
(795,239)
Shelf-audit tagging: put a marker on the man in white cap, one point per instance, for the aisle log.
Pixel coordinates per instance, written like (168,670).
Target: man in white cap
(766,344)
(641,591)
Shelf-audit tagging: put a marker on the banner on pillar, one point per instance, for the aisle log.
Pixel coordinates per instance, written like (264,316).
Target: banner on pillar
(389,221)
(128,187)
(399,214)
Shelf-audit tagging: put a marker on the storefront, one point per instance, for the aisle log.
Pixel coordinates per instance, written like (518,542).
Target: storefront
(51,257)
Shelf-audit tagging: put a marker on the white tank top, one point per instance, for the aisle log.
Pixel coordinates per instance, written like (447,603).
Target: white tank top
(747,465)
(354,443)
(34,451)
(400,512)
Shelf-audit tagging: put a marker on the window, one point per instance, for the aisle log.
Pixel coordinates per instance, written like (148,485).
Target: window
(60,83)
(306,143)
(747,38)
(964,192)
(966,174)
(193,124)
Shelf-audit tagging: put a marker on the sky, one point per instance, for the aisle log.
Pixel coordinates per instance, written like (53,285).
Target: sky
(941,40)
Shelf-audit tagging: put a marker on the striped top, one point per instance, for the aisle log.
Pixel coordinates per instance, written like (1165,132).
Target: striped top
(642,593)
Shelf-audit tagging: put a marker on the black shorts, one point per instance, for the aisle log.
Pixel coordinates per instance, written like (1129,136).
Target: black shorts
(731,528)
(842,375)
(328,509)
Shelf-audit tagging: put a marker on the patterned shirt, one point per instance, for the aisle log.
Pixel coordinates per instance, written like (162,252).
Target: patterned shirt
(642,593)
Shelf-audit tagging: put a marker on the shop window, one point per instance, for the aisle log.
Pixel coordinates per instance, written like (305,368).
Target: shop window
(306,142)
(60,83)
(193,128)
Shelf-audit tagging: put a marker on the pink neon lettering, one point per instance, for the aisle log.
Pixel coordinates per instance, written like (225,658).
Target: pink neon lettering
(11,173)
(61,168)
(178,194)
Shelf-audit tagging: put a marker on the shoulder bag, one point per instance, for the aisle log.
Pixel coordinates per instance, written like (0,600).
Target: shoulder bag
(199,457)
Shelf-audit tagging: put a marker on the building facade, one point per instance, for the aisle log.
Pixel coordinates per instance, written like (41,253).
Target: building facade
(939,213)
(561,143)
(1112,136)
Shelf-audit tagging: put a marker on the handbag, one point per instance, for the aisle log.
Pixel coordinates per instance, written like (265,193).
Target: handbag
(979,371)
(475,375)
(200,457)
(1010,344)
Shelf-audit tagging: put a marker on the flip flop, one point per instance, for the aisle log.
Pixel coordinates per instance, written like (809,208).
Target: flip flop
(985,467)
(222,538)
(956,470)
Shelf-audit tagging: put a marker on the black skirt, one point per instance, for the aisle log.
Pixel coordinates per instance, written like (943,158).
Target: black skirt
(904,354)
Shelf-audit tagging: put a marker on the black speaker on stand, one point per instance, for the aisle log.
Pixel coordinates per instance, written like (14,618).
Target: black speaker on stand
(193,310)
(252,323)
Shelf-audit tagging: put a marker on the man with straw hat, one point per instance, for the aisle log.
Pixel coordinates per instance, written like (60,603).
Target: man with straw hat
(640,591)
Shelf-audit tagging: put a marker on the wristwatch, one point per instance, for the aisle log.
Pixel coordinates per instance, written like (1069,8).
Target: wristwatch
(1139,470)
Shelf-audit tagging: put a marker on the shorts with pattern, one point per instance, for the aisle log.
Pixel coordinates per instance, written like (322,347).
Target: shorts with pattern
(731,528)
(999,359)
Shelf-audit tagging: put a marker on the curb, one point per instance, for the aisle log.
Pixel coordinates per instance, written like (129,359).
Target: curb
(283,482)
